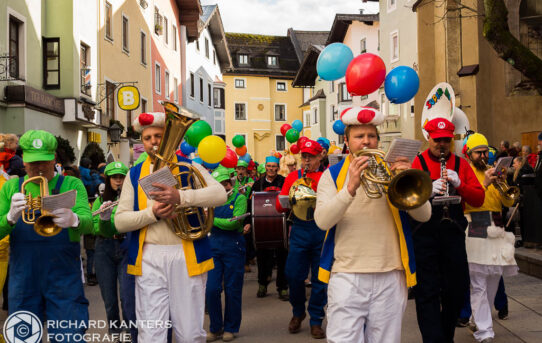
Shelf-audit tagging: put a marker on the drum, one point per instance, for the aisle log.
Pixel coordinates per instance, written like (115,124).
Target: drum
(269,228)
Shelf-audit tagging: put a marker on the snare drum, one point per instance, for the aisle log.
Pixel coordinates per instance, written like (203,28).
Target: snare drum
(269,228)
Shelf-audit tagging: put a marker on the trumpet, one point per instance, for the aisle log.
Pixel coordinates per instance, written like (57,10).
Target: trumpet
(43,225)
(507,191)
(111,205)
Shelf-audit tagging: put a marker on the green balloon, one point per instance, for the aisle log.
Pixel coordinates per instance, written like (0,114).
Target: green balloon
(292,135)
(197,131)
(238,141)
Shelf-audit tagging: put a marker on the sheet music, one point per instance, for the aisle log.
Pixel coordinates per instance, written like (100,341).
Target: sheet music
(402,147)
(57,201)
(162,175)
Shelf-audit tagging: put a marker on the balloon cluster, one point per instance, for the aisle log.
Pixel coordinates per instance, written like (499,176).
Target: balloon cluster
(292,134)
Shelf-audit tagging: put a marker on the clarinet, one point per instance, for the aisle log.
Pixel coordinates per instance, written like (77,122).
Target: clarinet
(445,209)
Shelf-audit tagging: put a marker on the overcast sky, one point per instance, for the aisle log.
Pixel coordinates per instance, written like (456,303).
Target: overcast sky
(274,17)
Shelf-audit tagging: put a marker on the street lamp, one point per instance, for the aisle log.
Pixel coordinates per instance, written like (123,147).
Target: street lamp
(115,131)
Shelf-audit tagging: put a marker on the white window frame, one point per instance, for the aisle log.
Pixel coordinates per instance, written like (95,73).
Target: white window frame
(165,30)
(315,115)
(201,86)
(197,44)
(332,113)
(126,49)
(174,37)
(383,104)
(363,42)
(192,92)
(158,90)
(108,38)
(222,119)
(22,45)
(272,58)
(241,59)
(285,86)
(392,34)
(307,123)
(240,79)
(166,84)
(143,63)
(285,111)
(176,90)
(390,7)
(246,110)
(207,48)
(283,139)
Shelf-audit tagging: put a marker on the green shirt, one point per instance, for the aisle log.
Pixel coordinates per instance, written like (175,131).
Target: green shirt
(81,208)
(239,208)
(243,182)
(105,228)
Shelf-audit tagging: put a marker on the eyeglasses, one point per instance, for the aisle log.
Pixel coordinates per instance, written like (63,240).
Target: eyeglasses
(483,152)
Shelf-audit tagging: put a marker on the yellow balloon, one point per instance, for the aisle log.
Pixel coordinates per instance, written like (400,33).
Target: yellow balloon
(212,149)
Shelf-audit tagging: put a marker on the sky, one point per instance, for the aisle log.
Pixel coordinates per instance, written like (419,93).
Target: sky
(274,17)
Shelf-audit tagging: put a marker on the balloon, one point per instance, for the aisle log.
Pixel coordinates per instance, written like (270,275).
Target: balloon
(292,135)
(187,149)
(246,158)
(294,149)
(301,141)
(230,161)
(298,125)
(338,127)
(284,128)
(241,151)
(197,131)
(210,165)
(238,141)
(365,74)
(401,84)
(212,149)
(198,160)
(333,61)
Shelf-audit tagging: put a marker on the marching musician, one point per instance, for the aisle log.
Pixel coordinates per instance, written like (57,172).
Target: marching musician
(45,272)
(367,256)
(305,247)
(242,178)
(228,247)
(170,272)
(439,244)
(490,250)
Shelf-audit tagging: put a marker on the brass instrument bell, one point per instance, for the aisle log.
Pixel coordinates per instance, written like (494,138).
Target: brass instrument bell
(44,224)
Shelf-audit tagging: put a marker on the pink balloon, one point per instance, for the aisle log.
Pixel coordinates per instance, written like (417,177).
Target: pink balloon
(365,74)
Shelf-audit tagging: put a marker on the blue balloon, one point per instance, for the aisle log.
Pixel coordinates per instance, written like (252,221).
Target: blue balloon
(333,61)
(187,149)
(338,127)
(210,165)
(198,160)
(298,125)
(246,157)
(401,84)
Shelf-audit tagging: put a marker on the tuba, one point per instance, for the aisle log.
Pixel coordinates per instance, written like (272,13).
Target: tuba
(303,198)
(406,189)
(190,223)
(507,191)
(44,225)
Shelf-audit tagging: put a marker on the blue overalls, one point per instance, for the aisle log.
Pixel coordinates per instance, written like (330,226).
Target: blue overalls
(228,249)
(45,278)
(306,241)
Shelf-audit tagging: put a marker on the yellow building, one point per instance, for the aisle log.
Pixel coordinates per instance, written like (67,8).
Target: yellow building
(259,95)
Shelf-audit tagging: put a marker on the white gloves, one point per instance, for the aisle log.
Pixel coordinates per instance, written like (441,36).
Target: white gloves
(66,218)
(18,203)
(453,178)
(438,186)
(106,215)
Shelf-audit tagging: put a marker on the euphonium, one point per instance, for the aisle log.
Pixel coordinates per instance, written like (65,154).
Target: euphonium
(303,198)
(44,225)
(406,189)
(191,223)
(507,191)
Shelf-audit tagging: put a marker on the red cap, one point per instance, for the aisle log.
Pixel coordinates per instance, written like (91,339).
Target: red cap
(251,165)
(311,147)
(440,128)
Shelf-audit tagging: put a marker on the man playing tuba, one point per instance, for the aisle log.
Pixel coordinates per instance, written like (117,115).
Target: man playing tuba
(170,272)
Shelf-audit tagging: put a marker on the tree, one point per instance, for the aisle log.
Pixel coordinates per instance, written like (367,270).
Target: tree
(95,153)
(64,151)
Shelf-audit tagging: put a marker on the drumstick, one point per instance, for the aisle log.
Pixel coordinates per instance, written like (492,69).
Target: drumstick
(512,215)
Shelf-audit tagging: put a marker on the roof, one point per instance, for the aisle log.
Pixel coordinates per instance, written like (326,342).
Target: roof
(302,40)
(319,95)
(258,47)
(343,21)
(306,75)
(212,20)
(189,16)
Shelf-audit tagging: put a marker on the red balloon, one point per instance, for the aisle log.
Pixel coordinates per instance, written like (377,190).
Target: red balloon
(301,141)
(294,149)
(230,161)
(365,74)
(241,151)
(284,128)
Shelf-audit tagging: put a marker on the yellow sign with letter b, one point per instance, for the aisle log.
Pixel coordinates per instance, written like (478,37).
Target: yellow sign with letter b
(128,98)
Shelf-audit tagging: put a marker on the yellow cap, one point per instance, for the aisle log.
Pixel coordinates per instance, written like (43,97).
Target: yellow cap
(476,140)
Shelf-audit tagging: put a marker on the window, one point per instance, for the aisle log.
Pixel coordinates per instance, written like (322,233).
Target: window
(143,105)
(280,112)
(210,98)
(15,47)
(383,104)
(108,21)
(243,59)
(218,97)
(192,85)
(240,112)
(157,78)
(206,47)
(343,93)
(214,57)
(219,122)
(281,86)
(394,46)
(110,99)
(307,119)
(239,83)
(125,45)
(332,86)
(280,143)
(51,62)
(315,116)
(197,44)
(332,112)
(174,37)
(272,61)
(166,33)
(143,48)
(392,4)
(166,84)
(175,89)
(363,46)
(200,89)
(394,110)
(84,62)
(157,21)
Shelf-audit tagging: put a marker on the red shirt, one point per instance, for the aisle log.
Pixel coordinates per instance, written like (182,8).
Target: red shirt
(290,179)
(471,190)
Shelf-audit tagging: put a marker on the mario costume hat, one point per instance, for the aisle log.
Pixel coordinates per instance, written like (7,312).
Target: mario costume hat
(145,120)
(311,147)
(475,141)
(440,128)
(115,168)
(38,145)
(360,115)
(439,103)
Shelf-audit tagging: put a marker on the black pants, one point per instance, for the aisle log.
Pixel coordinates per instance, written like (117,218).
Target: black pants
(443,279)
(266,261)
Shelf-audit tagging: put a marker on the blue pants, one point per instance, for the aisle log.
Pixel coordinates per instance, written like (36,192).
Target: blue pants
(90,261)
(229,258)
(501,301)
(306,241)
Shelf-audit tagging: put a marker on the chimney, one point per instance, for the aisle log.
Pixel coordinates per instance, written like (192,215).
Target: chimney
(361,11)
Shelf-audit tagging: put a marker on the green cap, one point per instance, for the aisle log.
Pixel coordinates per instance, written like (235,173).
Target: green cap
(221,174)
(241,163)
(261,168)
(38,145)
(114,168)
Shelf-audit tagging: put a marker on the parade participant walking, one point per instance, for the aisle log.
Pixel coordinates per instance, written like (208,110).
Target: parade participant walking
(170,272)
(367,256)
(242,178)
(45,272)
(228,246)
(305,247)
(439,244)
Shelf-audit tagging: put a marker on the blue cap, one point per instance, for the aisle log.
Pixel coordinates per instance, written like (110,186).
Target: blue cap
(271,159)
(324,142)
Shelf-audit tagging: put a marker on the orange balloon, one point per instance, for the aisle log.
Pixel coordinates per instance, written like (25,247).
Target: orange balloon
(242,151)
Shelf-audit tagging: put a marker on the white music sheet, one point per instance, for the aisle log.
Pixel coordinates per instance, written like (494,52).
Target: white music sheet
(402,147)
(57,201)
(162,175)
